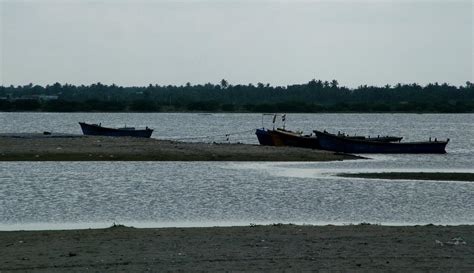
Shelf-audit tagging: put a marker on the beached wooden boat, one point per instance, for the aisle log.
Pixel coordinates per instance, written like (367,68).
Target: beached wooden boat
(282,137)
(337,143)
(99,130)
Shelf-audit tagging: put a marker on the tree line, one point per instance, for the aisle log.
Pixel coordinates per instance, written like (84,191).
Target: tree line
(311,97)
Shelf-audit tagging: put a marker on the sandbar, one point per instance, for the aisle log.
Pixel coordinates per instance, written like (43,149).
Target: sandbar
(270,248)
(36,147)
(447,176)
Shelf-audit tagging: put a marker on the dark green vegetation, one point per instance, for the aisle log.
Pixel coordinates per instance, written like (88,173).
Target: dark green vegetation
(311,97)
(414,176)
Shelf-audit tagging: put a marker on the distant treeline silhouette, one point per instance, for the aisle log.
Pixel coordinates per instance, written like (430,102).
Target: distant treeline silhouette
(311,97)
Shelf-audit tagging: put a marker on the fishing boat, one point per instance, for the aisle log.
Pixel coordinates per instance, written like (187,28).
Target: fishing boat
(283,137)
(267,137)
(99,130)
(333,142)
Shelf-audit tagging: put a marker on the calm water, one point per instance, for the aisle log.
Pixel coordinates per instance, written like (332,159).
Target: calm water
(90,194)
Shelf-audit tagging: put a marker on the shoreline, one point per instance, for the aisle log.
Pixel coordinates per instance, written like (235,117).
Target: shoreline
(241,111)
(41,227)
(277,247)
(37,147)
(434,176)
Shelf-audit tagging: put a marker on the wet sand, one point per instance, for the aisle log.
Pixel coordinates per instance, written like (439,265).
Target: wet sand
(36,147)
(414,176)
(289,248)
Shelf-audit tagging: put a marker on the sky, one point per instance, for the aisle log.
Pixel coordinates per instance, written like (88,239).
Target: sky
(141,42)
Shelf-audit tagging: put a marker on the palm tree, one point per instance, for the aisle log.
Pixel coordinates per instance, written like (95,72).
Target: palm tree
(224,84)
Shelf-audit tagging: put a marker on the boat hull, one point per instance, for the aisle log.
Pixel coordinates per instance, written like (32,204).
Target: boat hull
(339,144)
(264,137)
(289,138)
(97,130)
(281,137)
(377,139)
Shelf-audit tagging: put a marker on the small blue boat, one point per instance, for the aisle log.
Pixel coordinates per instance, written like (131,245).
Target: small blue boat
(337,143)
(98,130)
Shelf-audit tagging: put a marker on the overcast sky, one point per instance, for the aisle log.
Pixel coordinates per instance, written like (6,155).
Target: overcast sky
(277,42)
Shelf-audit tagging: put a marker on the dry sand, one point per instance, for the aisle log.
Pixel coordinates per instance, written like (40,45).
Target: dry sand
(71,148)
(289,248)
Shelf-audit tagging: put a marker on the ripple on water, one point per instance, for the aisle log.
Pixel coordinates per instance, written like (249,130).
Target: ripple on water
(210,192)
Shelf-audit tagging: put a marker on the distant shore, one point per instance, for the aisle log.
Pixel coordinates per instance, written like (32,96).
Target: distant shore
(445,176)
(37,147)
(353,248)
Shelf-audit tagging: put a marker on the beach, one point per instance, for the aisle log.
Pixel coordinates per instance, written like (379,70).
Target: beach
(255,248)
(290,248)
(38,147)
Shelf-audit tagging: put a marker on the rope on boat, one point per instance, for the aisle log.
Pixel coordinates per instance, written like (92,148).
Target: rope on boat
(226,136)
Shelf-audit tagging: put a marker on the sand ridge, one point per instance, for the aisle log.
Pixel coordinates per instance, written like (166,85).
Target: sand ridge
(92,148)
(290,248)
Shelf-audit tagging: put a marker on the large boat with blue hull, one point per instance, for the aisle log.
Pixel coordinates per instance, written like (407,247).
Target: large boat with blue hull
(99,130)
(333,142)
